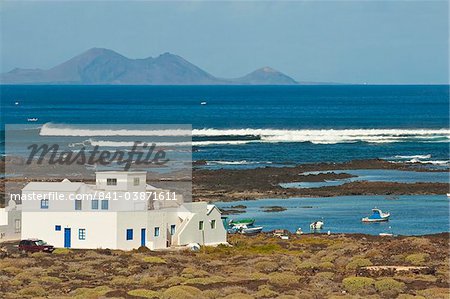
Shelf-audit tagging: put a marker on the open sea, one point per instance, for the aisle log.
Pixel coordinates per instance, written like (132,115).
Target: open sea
(253,126)
(258,126)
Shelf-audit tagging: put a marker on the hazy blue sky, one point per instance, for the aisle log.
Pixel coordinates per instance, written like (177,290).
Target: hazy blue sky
(338,41)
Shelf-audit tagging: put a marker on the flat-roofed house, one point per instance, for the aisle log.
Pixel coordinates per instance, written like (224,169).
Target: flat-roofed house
(115,214)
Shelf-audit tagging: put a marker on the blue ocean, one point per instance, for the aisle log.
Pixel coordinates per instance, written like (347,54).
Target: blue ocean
(254,126)
(258,126)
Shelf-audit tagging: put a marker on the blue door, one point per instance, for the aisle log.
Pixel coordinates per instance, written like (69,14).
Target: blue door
(67,237)
(142,236)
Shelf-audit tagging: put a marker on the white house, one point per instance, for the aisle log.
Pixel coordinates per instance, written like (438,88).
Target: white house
(10,222)
(113,215)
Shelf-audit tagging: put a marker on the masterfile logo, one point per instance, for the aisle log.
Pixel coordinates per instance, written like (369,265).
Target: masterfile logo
(55,152)
(141,154)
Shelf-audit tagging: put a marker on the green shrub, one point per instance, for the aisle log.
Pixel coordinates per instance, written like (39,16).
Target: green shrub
(238,296)
(186,292)
(11,270)
(122,281)
(417,258)
(32,291)
(205,280)
(324,276)
(389,284)
(172,281)
(62,251)
(25,276)
(154,260)
(96,292)
(435,293)
(264,291)
(144,293)
(328,258)
(307,265)
(326,265)
(408,296)
(356,285)
(281,279)
(266,266)
(192,273)
(49,280)
(39,254)
(358,262)
(265,248)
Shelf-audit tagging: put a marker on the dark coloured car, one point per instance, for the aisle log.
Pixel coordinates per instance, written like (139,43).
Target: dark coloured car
(35,245)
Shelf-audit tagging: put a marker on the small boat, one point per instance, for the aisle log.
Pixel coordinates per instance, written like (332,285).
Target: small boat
(250,230)
(316,225)
(34,119)
(242,222)
(203,103)
(377,216)
(386,235)
(16,103)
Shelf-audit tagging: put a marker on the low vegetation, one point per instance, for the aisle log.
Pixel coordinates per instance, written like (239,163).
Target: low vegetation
(264,266)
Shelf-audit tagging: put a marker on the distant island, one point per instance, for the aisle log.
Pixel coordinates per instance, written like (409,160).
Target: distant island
(103,66)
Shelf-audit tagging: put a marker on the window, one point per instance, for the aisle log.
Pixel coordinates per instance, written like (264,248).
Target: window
(94,204)
(82,234)
(58,228)
(136,181)
(129,234)
(200,225)
(17,225)
(172,229)
(44,203)
(77,205)
(105,204)
(156,231)
(213,224)
(111,182)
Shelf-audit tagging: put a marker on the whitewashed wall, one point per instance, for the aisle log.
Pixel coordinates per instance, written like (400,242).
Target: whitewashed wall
(101,228)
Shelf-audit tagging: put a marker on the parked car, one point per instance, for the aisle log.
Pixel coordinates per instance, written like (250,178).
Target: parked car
(35,245)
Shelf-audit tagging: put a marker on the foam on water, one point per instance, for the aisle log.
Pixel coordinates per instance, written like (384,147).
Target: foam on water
(328,136)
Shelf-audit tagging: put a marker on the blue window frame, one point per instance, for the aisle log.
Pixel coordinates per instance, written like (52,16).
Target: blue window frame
(129,234)
(94,204)
(105,204)
(44,203)
(77,205)
(156,231)
(58,228)
(82,234)
(172,229)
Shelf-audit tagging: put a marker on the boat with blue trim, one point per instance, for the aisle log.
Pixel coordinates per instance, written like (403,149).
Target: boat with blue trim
(377,216)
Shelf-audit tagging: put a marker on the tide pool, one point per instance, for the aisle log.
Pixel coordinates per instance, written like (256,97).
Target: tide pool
(374,175)
(410,214)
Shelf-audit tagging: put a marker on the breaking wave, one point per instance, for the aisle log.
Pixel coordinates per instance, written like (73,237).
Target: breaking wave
(243,162)
(413,157)
(242,136)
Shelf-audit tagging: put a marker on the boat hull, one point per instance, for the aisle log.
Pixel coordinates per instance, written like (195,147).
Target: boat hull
(251,231)
(375,220)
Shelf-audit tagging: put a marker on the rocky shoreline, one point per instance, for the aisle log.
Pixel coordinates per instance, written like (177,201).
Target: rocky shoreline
(258,183)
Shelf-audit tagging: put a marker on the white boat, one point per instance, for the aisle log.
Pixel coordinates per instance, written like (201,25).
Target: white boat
(203,103)
(316,225)
(385,235)
(34,119)
(16,103)
(251,230)
(377,216)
